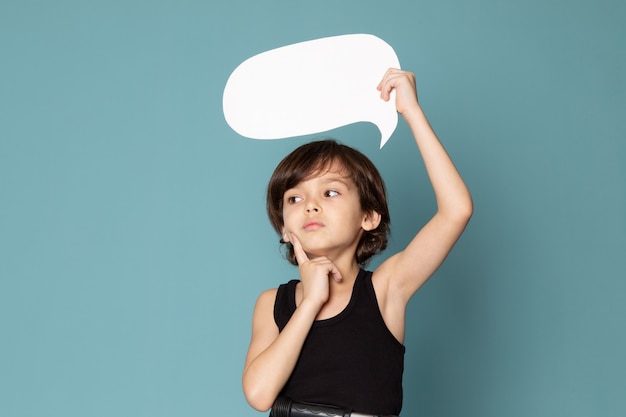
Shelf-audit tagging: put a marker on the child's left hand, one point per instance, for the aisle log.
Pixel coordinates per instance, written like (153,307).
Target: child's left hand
(404,84)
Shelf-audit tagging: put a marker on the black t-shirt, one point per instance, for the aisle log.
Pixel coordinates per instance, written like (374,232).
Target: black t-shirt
(351,360)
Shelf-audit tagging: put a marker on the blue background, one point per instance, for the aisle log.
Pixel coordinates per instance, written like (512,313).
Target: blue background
(133,237)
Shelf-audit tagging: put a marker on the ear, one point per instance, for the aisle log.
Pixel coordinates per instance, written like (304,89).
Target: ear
(370,221)
(285,236)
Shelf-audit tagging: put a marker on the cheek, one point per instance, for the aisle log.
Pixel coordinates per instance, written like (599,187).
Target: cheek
(288,225)
(286,216)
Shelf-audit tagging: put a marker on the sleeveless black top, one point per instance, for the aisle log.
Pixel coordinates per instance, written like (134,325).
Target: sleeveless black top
(351,360)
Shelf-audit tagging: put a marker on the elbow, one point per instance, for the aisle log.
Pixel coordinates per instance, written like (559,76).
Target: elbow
(466,206)
(466,209)
(462,212)
(259,404)
(258,398)
(458,209)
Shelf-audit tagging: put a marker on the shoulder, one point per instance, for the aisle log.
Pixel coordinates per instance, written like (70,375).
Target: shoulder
(266,298)
(382,278)
(269,296)
(263,315)
(400,276)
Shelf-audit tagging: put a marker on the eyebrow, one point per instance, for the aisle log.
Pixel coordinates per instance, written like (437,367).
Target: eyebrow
(345,180)
(332,178)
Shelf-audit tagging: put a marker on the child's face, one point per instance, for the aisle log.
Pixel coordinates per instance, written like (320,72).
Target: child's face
(324,212)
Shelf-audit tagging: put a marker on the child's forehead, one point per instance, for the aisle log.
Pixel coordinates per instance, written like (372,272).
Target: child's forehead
(332,169)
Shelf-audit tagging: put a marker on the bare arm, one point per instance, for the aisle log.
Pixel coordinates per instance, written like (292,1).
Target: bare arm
(398,278)
(272,356)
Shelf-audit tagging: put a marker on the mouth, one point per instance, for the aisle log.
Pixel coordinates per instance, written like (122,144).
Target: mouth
(313,225)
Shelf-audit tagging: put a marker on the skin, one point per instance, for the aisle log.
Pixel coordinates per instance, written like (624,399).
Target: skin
(324,221)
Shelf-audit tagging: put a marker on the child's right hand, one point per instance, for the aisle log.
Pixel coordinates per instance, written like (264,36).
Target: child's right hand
(314,274)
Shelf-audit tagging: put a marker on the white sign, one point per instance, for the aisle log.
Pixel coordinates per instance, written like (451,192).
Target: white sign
(312,87)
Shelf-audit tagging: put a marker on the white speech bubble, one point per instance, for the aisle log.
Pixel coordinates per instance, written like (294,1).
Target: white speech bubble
(312,87)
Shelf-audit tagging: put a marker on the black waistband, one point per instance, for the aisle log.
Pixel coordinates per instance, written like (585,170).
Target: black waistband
(284,407)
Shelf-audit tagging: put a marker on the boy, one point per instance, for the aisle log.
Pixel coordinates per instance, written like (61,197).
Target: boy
(335,336)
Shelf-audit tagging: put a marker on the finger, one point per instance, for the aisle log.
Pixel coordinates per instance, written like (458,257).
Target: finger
(385,89)
(331,269)
(387,84)
(395,79)
(335,274)
(380,85)
(301,256)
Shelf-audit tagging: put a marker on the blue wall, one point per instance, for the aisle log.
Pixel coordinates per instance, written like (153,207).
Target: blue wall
(133,238)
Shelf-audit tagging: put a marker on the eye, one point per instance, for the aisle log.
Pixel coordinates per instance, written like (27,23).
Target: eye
(293,199)
(331,193)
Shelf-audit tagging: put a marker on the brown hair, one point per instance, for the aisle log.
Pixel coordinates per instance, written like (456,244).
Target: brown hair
(313,157)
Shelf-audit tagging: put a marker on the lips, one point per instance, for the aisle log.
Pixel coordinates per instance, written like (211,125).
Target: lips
(313,225)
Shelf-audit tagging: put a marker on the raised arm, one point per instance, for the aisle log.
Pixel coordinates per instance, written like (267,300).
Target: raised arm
(398,278)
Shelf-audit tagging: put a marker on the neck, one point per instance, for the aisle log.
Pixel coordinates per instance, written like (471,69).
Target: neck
(349,271)
(345,261)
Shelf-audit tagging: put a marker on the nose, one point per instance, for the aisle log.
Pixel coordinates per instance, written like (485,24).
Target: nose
(311,207)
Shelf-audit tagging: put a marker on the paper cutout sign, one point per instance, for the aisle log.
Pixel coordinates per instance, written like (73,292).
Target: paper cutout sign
(312,87)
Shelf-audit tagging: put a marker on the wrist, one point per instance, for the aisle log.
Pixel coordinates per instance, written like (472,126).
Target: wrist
(413,110)
(308,305)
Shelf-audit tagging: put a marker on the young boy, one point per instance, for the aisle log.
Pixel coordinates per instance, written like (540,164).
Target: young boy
(335,336)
